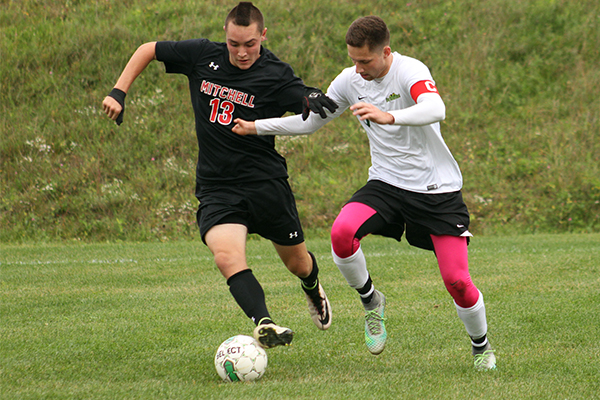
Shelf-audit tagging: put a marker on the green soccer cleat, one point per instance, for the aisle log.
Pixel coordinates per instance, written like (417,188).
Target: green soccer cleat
(375,333)
(271,335)
(485,360)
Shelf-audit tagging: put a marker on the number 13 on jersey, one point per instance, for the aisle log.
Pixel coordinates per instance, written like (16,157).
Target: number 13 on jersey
(221,111)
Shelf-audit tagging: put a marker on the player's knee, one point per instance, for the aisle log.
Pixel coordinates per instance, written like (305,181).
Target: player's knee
(227,262)
(342,239)
(300,267)
(457,287)
(462,290)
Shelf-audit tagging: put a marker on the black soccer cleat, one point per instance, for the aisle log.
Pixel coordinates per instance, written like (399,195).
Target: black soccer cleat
(271,335)
(318,306)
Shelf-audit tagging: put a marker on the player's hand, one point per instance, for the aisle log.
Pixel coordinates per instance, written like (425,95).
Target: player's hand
(370,112)
(114,105)
(315,100)
(243,127)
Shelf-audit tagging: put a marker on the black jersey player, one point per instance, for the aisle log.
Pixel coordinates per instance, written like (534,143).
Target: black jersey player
(241,182)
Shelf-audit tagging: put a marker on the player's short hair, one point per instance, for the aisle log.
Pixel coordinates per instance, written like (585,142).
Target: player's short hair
(244,14)
(371,31)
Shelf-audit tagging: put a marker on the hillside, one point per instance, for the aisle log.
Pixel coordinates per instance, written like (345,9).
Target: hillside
(518,78)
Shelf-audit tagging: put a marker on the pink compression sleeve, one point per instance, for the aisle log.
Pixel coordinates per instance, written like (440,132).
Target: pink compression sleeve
(347,223)
(453,260)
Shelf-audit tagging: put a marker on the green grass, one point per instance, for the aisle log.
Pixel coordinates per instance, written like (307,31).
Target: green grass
(518,78)
(140,321)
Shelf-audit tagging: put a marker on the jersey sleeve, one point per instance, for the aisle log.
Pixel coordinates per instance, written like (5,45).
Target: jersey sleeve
(180,57)
(337,91)
(291,95)
(280,84)
(416,78)
(428,107)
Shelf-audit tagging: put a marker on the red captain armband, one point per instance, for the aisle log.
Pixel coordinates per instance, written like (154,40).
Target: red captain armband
(422,87)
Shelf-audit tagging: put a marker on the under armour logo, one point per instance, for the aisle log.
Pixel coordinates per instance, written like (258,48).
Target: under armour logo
(213,65)
(293,234)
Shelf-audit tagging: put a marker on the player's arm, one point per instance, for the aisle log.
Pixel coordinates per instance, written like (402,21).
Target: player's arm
(292,125)
(429,108)
(287,126)
(301,124)
(114,104)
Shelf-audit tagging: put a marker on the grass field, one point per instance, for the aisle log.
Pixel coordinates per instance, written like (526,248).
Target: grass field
(143,321)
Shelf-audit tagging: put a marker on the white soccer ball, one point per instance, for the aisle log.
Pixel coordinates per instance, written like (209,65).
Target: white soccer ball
(240,358)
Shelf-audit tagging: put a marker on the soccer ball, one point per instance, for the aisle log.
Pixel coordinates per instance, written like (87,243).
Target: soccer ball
(240,358)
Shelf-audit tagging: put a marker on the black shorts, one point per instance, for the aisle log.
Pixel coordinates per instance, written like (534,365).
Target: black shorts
(419,214)
(267,208)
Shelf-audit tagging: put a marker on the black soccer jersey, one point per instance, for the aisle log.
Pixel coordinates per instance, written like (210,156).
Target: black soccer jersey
(220,93)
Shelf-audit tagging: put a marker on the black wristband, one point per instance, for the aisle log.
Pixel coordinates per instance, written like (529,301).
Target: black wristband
(118,95)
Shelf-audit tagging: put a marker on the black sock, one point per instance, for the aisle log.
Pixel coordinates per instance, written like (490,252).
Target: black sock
(249,295)
(312,280)
(366,289)
(479,342)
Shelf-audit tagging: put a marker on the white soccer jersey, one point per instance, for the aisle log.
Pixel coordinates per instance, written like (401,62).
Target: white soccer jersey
(411,157)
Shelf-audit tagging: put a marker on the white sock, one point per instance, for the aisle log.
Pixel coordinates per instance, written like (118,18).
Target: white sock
(354,268)
(474,319)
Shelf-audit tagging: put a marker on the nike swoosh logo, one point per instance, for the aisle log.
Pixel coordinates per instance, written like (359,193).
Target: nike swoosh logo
(361,97)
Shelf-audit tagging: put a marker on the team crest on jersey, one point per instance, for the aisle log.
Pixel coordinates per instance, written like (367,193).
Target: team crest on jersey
(392,97)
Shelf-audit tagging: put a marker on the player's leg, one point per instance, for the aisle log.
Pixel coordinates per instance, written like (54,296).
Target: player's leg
(303,264)
(275,217)
(227,242)
(355,221)
(452,256)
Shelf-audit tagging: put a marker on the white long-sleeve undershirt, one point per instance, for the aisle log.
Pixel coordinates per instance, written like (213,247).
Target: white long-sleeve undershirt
(430,108)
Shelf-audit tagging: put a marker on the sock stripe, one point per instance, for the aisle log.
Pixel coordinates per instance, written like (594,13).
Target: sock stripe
(368,294)
(313,286)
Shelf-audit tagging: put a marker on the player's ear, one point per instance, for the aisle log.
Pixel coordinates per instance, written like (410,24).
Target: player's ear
(387,50)
(263,37)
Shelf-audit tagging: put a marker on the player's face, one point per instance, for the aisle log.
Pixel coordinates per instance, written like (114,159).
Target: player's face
(371,64)
(243,43)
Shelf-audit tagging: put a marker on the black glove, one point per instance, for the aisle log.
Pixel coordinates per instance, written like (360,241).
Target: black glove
(316,101)
(119,96)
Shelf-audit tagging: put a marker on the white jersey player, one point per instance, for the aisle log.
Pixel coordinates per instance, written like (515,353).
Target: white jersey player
(414,184)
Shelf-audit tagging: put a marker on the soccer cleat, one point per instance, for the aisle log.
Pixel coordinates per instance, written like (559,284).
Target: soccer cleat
(318,306)
(375,333)
(271,335)
(485,359)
